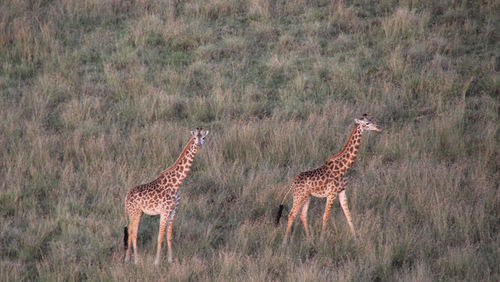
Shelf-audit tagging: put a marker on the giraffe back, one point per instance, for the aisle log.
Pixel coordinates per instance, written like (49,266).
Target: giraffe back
(152,198)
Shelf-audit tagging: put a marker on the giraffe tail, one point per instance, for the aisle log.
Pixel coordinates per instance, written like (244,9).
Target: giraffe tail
(125,238)
(280,209)
(278,215)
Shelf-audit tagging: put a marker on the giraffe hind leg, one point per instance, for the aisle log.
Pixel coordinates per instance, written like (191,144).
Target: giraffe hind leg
(298,202)
(133,227)
(127,236)
(303,215)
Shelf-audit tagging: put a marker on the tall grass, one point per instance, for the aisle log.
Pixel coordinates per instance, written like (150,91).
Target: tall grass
(99,96)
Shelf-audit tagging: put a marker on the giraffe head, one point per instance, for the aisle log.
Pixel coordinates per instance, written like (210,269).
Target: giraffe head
(199,136)
(367,124)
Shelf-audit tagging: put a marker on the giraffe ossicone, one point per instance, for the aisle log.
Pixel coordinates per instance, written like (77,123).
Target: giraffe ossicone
(326,181)
(160,197)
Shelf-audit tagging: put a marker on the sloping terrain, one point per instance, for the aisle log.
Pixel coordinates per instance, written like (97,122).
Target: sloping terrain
(99,96)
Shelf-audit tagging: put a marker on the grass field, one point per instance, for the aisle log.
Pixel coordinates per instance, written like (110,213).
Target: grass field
(99,96)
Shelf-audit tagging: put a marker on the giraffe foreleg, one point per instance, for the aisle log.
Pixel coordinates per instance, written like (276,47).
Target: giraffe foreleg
(161,235)
(343,204)
(329,202)
(169,234)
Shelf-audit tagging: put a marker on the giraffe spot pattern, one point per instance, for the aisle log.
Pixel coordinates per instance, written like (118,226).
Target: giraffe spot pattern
(157,197)
(326,179)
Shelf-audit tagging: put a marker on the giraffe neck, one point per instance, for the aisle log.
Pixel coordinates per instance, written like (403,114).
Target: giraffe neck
(183,164)
(345,158)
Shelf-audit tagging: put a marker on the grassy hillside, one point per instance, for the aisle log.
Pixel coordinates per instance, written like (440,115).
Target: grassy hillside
(99,96)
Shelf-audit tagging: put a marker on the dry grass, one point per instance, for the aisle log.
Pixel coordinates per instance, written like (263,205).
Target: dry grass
(98,96)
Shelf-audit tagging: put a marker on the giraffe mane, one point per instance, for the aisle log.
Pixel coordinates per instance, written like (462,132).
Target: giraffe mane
(346,144)
(180,156)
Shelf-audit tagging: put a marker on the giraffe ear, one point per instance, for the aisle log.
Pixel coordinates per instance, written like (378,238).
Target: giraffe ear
(193,133)
(205,133)
(357,121)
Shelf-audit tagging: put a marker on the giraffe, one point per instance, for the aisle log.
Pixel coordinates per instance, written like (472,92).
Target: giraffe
(326,181)
(160,197)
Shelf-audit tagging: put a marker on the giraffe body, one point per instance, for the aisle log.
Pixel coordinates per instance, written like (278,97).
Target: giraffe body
(160,197)
(327,181)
